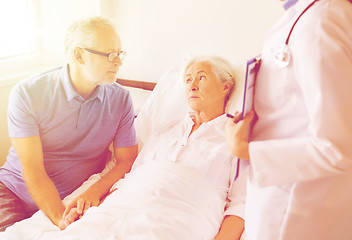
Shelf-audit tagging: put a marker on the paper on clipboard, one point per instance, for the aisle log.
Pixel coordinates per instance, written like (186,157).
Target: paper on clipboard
(248,95)
(251,76)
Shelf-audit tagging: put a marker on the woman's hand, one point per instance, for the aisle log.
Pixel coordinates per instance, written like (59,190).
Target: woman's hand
(237,134)
(71,217)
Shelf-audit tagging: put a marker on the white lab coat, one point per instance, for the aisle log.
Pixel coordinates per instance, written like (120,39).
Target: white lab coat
(300,183)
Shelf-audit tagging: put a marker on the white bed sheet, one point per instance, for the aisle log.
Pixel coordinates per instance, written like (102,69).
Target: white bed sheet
(144,207)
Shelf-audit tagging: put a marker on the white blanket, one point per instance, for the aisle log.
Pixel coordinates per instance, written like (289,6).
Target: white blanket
(157,201)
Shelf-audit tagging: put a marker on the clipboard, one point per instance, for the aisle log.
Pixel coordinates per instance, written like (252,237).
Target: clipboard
(252,69)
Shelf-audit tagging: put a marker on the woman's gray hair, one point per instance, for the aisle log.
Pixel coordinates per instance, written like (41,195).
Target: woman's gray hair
(81,33)
(220,66)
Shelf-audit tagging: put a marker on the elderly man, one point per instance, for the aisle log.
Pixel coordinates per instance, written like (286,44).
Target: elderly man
(61,124)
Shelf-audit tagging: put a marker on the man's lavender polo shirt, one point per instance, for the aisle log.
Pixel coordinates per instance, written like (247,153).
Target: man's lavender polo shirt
(75,133)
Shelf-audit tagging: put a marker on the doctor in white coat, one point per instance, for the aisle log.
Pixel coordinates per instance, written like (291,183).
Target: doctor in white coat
(300,148)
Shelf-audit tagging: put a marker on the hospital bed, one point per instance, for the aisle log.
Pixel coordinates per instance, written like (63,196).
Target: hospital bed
(167,102)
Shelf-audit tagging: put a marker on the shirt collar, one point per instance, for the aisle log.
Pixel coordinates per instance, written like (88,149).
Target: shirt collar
(289,3)
(70,91)
(218,120)
(98,93)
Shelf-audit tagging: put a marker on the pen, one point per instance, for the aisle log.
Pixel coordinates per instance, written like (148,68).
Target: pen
(236,118)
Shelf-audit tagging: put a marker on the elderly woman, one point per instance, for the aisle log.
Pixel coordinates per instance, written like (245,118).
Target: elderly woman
(180,182)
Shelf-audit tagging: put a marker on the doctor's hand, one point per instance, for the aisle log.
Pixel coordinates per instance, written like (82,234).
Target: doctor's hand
(231,228)
(237,134)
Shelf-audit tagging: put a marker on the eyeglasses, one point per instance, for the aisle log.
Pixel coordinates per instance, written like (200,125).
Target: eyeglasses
(111,56)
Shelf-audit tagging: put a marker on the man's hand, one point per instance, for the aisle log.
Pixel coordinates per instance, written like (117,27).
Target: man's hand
(83,202)
(91,197)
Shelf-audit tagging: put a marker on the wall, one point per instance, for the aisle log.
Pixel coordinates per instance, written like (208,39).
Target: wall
(158,34)
(4,139)
(55,16)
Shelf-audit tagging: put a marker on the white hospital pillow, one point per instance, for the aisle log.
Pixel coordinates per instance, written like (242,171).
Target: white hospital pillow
(167,103)
(236,99)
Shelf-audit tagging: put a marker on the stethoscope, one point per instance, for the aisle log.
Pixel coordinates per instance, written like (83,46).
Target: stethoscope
(283,56)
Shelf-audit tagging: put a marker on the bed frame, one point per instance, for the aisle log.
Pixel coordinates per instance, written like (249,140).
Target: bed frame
(136,84)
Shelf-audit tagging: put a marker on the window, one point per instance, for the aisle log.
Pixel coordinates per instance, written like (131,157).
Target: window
(17,28)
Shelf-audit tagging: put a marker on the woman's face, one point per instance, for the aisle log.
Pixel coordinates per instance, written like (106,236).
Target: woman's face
(204,90)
